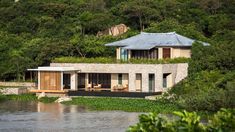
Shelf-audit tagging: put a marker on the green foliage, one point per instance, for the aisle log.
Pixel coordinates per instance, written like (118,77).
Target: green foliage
(189,122)
(219,56)
(23,97)
(223,120)
(113,60)
(185,121)
(84,60)
(48,99)
(160,61)
(34,32)
(206,91)
(172,25)
(130,105)
(151,123)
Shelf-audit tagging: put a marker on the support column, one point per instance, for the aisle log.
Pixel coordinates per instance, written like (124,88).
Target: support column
(118,53)
(171,52)
(39,80)
(73,81)
(129,54)
(159,79)
(160,53)
(145,82)
(131,80)
(114,80)
(86,80)
(61,81)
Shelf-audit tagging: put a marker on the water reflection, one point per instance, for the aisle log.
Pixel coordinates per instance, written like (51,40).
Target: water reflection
(32,116)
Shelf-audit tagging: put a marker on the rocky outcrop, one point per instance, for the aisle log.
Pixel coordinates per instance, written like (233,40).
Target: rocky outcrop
(114,30)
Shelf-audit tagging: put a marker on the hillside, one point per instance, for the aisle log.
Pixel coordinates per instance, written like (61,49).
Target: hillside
(34,32)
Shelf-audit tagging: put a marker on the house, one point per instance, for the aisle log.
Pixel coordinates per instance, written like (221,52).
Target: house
(154,46)
(143,78)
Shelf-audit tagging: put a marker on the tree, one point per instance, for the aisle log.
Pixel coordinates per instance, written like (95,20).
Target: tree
(139,13)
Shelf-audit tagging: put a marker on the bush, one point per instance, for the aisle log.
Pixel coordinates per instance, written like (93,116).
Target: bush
(223,120)
(114,60)
(205,90)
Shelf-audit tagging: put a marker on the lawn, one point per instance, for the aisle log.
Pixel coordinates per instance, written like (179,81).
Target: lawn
(124,104)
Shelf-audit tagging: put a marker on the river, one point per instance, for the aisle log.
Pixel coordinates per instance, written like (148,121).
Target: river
(37,116)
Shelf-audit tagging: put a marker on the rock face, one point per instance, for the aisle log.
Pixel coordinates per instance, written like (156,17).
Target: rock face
(114,30)
(63,99)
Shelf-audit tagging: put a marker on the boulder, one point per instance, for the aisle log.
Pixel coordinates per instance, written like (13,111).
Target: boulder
(63,99)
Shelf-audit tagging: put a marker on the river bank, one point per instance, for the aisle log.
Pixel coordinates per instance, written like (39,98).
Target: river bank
(103,103)
(27,116)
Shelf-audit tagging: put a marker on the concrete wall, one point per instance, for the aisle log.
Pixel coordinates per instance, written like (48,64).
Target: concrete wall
(13,90)
(181,52)
(179,71)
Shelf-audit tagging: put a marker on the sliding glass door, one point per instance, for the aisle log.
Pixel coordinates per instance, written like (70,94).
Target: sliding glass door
(100,78)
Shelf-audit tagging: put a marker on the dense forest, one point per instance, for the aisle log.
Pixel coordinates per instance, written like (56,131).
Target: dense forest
(34,32)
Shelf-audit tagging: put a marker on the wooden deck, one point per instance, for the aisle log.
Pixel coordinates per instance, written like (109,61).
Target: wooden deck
(99,93)
(48,91)
(113,94)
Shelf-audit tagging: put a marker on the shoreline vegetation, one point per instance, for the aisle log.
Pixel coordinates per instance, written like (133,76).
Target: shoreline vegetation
(110,103)
(103,103)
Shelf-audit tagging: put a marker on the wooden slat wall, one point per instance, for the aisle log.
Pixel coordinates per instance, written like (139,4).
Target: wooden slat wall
(50,80)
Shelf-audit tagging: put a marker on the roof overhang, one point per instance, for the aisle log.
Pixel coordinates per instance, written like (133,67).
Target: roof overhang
(60,69)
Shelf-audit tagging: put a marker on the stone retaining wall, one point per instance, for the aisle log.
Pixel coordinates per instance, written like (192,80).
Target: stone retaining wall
(16,84)
(17,91)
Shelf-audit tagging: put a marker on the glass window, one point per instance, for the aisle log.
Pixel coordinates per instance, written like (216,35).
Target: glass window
(120,79)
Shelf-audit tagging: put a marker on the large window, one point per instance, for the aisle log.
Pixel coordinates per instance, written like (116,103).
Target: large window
(81,80)
(120,79)
(124,54)
(166,80)
(166,53)
(100,78)
(145,54)
(138,82)
(66,81)
(151,82)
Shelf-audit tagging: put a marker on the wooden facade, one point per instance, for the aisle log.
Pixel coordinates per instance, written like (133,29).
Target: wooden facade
(50,80)
(166,53)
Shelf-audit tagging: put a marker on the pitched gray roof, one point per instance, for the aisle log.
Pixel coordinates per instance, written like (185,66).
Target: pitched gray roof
(146,41)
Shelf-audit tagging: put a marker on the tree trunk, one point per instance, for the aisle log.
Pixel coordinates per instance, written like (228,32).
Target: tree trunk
(141,24)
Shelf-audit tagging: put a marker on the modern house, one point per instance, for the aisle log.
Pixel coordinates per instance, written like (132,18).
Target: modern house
(154,46)
(124,77)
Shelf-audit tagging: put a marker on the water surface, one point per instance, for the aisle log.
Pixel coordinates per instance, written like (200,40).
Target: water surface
(36,116)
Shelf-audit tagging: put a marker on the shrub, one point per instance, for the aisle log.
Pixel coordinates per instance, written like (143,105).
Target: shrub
(223,120)
(114,60)
(206,90)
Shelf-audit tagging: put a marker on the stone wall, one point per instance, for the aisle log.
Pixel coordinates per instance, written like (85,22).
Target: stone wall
(17,91)
(16,84)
